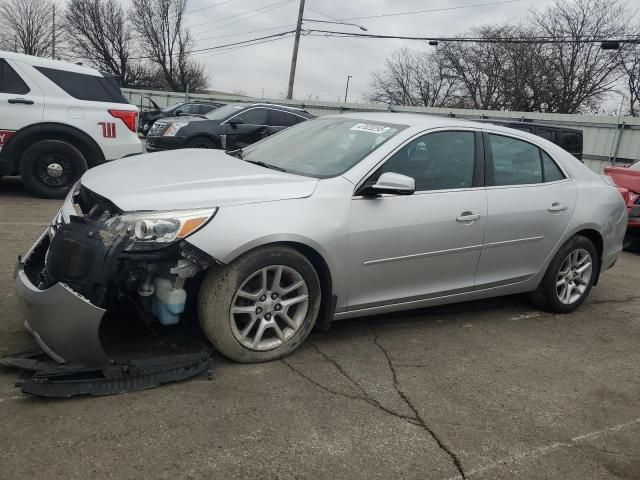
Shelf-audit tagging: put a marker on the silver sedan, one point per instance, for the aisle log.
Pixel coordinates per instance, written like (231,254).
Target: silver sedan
(338,217)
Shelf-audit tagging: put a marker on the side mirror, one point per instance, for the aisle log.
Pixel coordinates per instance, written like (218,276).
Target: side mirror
(234,122)
(391,183)
(179,113)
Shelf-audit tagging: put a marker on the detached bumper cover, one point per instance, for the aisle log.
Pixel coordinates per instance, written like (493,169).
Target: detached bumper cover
(65,324)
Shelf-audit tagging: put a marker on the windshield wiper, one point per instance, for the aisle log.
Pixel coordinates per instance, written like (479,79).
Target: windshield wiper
(266,165)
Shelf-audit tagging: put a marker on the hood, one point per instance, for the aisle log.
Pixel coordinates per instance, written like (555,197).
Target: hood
(191,178)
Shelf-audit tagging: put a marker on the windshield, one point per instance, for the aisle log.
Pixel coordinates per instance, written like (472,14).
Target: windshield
(324,147)
(223,112)
(635,166)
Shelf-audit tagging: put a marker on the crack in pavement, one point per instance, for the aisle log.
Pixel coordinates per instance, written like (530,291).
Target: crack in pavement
(367,397)
(423,423)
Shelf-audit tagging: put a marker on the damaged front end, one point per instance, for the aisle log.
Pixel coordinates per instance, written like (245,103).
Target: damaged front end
(95,255)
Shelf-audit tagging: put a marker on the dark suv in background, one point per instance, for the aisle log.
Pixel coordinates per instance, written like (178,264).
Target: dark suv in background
(194,107)
(568,138)
(230,127)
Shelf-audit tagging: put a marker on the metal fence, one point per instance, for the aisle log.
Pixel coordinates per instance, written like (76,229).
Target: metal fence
(607,139)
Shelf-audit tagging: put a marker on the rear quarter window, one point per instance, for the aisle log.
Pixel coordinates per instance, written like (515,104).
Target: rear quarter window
(85,87)
(10,81)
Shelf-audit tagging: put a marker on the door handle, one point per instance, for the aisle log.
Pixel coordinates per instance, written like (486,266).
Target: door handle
(557,207)
(20,100)
(468,217)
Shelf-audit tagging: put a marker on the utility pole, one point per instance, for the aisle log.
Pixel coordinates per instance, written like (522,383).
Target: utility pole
(294,58)
(53,35)
(346,91)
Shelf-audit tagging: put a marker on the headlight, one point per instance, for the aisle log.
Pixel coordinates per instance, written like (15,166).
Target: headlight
(173,129)
(149,230)
(67,208)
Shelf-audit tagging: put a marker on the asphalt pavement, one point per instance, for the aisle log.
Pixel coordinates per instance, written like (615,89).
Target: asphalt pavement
(484,390)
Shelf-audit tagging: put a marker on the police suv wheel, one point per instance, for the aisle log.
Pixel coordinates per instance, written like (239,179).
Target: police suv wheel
(49,168)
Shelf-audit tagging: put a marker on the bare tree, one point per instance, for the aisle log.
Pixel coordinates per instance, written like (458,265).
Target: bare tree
(579,74)
(166,43)
(630,63)
(481,68)
(28,27)
(414,78)
(97,32)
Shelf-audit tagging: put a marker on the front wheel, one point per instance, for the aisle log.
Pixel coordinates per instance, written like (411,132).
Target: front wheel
(201,142)
(261,306)
(49,168)
(569,277)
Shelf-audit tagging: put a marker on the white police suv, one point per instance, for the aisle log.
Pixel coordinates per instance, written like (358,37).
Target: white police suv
(57,119)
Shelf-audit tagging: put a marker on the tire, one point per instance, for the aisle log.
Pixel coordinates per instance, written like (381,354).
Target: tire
(49,168)
(559,297)
(630,244)
(201,142)
(225,314)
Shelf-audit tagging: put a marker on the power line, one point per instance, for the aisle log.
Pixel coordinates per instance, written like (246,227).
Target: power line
(444,9)
(261,10)
(218,47)
(529,40)
(233,49)
(244,33)
(207,8)
(323,14)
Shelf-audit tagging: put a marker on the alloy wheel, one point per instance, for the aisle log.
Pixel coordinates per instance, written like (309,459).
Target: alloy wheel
(269,307)
(574,276)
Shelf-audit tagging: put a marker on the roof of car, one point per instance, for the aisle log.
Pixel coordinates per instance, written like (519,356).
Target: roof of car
(48,63)
(412,119)
(427,121)
(276,105)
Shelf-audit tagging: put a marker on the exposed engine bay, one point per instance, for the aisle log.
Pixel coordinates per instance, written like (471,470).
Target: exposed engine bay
(98,255)
(93,257)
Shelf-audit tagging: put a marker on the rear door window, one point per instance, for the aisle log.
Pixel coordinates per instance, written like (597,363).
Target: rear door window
(254,116)
(202,109)
(10,81)
(284,119)
(516,162)
(85,87)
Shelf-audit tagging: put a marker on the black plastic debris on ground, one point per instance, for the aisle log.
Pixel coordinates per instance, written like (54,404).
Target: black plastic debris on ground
(64,381)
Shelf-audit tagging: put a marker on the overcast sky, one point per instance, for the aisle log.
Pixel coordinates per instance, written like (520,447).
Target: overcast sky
(323,62)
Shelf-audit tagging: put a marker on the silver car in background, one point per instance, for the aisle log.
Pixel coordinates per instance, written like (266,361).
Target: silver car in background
(337,217)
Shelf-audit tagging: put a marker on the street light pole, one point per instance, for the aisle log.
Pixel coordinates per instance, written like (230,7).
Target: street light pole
(294,58)
(346,91)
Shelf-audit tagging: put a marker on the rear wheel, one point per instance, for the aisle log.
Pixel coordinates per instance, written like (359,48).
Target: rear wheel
(201,142)
(262,306)
(569,277)
(49,168)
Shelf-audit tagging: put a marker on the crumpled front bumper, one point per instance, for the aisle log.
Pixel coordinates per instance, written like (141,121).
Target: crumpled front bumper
(63,323)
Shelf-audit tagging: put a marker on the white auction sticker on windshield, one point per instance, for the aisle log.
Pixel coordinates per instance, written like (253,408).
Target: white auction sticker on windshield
(370,127)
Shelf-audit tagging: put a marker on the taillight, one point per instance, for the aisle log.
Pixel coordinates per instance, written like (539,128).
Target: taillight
(130,118)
